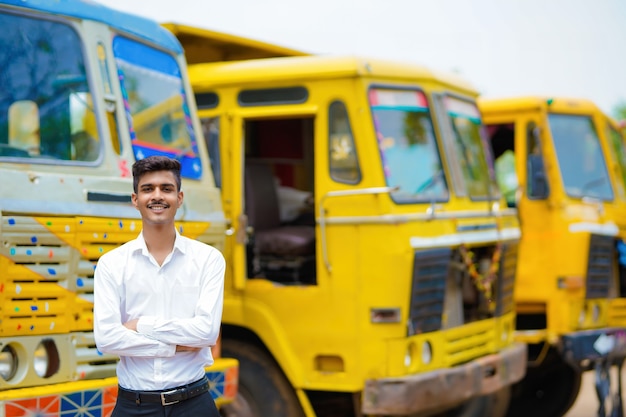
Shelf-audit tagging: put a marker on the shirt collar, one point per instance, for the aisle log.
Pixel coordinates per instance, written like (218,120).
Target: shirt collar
(139,244)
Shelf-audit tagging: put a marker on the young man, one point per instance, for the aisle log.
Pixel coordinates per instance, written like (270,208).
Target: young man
(158,304)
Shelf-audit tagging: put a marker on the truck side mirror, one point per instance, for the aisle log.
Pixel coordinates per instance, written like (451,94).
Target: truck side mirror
(537,180)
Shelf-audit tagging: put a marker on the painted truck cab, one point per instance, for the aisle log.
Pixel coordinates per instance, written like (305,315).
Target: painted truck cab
(86,90)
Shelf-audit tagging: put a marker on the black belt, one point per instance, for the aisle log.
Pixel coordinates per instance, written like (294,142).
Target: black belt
(166,397)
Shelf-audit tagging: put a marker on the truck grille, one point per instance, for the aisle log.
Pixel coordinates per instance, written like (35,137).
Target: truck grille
(37,266)
(506,279)
(430,270)
(600,266)
(465,343)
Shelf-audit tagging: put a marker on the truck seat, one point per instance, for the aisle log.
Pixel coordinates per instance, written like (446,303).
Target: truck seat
(263,211)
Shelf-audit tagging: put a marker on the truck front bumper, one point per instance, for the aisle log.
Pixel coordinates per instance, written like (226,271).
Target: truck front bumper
(445,388)
(593,345)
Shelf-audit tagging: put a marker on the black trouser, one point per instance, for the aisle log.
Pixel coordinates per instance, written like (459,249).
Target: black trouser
(199,406)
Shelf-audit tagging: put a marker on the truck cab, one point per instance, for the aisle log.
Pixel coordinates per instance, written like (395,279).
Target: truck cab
(561,167)
(371,256)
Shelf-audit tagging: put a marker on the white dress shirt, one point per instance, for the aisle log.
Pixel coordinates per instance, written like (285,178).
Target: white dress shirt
(177,303)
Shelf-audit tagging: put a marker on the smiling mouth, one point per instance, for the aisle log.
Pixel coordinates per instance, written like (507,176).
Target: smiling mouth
(158,206)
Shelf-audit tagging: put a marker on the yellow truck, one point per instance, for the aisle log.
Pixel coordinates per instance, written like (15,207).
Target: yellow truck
(371,259)
(560,163)
(86,90)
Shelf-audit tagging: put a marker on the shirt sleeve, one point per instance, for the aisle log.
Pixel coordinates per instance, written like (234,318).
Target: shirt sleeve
(109,332)
(201,330)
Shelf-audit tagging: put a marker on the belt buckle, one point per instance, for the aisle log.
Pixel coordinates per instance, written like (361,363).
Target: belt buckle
(164,402)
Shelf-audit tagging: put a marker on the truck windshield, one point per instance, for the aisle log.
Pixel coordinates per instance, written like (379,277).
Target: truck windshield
(156,105)
(469,148)
(46,109)
(581,161)
(407,145)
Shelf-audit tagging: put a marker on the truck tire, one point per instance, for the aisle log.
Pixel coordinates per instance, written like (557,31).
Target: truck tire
(548,390)
(263,389)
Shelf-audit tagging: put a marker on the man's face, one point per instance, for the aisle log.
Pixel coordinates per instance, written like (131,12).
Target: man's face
(157,197)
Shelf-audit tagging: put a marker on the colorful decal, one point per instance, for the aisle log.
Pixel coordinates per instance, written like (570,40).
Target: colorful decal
(88,403)
(100,402)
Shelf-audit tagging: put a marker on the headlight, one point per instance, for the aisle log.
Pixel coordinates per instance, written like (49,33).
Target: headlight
(46,361)
(427,353)
(8,363)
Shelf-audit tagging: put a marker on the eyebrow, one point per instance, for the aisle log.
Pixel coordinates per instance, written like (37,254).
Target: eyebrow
(164,184)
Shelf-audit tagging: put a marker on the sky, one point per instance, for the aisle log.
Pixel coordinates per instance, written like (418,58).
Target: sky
(552,48)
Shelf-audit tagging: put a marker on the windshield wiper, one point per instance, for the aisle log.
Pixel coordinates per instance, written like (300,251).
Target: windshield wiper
(593,183)
(430,182)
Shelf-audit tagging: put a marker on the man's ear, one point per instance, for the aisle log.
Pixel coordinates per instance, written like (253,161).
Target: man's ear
(133,199)
(180,198)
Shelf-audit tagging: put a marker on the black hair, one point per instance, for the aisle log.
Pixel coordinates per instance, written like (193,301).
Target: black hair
(155,163)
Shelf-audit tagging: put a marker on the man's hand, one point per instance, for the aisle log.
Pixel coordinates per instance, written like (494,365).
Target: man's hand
(132,325)
(180,348)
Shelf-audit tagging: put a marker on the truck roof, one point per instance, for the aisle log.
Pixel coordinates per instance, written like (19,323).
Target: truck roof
(534,103)
(203,45)
(91,10)
(316,67)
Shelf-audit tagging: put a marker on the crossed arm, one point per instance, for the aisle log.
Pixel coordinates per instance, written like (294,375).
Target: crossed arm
(132,325)
(153,336)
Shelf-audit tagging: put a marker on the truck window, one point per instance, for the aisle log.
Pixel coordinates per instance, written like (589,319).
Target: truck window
(343,160)
(537,186)
(582,164)
(211,130)
(502,140)
(156,105)
(45,105)
(407,144)
(617,145)
(469,147)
